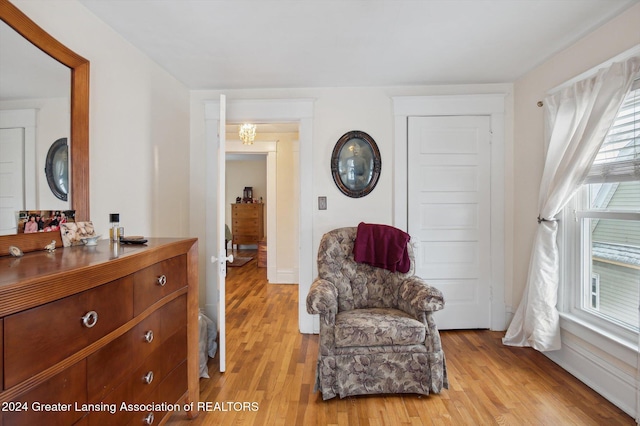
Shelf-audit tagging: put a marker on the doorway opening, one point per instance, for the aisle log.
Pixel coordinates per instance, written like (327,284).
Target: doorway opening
(269,168)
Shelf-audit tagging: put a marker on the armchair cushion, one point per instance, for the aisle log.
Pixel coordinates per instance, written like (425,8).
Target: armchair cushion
(377,327)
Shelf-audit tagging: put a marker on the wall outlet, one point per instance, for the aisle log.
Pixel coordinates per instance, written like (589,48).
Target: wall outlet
(322,203)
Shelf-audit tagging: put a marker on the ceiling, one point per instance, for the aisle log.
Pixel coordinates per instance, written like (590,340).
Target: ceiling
(233,44)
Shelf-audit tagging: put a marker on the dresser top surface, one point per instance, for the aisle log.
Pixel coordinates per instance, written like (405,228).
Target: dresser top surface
(43,263)
(98,264)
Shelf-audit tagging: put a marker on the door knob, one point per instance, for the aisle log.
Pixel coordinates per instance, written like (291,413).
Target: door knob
(229,258)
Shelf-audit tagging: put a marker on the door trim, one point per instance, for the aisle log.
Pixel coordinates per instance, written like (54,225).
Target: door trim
(279,111)
(492,105)
(27,120)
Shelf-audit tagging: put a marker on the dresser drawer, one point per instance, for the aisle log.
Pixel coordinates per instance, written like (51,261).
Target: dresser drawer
(246,227)
(113,401)
(115,362)
(173,317)
(142,383)
(61,393)
(246,210)
(245,239)
(157,281)
(163,360)
(170,390)
(38,338)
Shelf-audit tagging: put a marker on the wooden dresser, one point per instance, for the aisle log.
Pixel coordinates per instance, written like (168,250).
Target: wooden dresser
(247,223)
(99,335)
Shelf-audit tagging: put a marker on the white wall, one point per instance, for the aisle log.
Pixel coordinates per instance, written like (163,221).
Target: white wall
(139,125)
(337,111)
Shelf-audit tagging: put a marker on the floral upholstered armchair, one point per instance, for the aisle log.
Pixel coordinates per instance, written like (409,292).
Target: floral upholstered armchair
(377,332)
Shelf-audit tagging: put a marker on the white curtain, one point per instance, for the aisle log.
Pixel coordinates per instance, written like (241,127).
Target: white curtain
(578,118)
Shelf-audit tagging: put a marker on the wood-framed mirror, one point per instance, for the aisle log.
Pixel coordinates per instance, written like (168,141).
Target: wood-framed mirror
(79,125)
(356,164)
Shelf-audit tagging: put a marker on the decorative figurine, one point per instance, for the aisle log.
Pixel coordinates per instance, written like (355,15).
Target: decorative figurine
(51,247)
(15,251)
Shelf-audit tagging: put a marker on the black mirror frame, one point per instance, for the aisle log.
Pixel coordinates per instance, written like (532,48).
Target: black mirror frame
(335,163)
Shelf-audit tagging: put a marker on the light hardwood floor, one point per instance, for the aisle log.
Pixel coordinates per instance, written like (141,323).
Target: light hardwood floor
(271,369)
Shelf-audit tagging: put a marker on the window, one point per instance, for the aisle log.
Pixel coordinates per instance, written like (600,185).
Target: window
(606,231)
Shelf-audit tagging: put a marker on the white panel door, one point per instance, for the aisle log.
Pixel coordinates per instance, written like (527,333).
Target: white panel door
(449,209)
(12,184)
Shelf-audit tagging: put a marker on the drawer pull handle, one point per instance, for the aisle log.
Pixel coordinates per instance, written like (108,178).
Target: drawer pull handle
(148,419)
(148,336)
(148,378)
(90,319)
(162,280)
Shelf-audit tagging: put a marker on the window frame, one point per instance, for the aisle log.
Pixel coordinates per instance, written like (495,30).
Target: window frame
(574,270)
(576,275)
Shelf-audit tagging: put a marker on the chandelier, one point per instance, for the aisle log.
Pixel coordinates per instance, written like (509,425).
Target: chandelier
(247,133)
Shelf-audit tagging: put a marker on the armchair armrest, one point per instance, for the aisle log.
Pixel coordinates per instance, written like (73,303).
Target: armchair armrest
(322,298)
(416,296)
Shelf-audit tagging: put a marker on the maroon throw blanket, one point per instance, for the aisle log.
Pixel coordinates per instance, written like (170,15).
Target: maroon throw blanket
(382,246)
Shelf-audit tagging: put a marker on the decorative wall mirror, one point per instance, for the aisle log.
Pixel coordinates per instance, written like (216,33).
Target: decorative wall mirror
(356,164)
(56,169)
(79,126)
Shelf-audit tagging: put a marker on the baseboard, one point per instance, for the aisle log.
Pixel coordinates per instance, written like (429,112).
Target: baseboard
(286,276)
(607,375)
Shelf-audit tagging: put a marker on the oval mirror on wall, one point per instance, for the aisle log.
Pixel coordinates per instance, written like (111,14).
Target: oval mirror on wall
(57,169)
(356,164)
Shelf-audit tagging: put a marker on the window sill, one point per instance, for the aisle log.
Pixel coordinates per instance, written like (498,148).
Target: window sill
(621,348)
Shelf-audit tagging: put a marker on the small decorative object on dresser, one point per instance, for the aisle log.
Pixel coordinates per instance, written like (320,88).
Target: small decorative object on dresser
(247,223)
(76,233)
(15,251)
(247,194)
(80,329)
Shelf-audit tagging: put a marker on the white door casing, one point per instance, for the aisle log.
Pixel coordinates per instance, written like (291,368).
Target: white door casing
(449,214)
(267,111)
(18,176)
(12,193)
(492,105)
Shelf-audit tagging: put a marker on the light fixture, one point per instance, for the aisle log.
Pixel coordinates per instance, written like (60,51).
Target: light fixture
(247,133)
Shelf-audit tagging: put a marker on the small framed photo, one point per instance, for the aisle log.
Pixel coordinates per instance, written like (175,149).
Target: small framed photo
(31,221)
